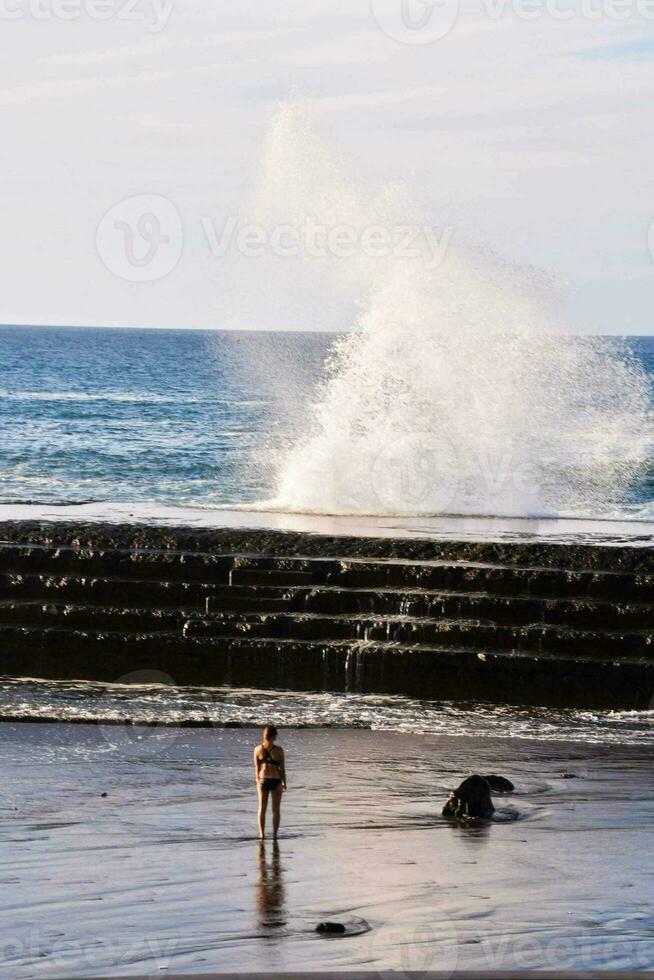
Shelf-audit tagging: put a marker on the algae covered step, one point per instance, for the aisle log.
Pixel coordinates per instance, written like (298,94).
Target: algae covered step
(482,634)
(498,579)
(137,564)
(92,617)
(515,610)
(506,621)
(416,670)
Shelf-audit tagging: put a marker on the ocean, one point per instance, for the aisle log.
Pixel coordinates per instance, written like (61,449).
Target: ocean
(209,419)
(161,416)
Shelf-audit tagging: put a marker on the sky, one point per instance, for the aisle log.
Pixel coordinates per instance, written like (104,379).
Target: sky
(132,131)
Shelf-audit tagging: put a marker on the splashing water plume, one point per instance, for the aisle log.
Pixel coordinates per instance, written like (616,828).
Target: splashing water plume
(458,390)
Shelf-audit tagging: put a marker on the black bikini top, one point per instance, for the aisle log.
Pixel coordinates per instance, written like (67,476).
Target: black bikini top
(268,759)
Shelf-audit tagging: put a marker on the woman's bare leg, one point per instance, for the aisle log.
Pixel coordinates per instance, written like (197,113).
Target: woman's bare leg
(263,803)
(276,808)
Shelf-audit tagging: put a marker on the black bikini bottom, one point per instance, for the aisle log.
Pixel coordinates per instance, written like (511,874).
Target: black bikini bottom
(269,784)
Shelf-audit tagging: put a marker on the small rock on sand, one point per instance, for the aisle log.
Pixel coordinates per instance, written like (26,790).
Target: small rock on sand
(336,928)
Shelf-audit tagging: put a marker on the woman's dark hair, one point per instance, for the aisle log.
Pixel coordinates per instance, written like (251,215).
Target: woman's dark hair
(270,731)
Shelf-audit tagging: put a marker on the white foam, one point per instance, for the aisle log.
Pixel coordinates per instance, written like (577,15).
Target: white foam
(457,391)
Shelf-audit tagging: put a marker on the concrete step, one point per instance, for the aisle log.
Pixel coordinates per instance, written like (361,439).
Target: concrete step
(210,597)
(476,634)
(145,593)
(272,576)
(92,617)
(415,670)
(615,550)
(239,569)
(460,576)
(515,610)
(536,638)
(116,563)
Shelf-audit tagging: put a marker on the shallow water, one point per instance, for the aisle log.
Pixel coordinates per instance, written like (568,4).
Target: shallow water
(162,705)
(164,874)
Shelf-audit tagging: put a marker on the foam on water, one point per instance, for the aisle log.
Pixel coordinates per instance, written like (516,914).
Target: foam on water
(456,391)
(169,705)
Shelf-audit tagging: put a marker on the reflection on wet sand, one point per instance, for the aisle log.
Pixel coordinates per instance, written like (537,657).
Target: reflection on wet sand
(271,906)
(164,869)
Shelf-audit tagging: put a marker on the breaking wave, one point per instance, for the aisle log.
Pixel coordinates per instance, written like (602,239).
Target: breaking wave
(458,389)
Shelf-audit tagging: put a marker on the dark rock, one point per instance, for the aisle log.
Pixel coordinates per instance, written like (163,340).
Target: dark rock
(569,775)
(499,784)
(471,801)
(336,928)
(103,794)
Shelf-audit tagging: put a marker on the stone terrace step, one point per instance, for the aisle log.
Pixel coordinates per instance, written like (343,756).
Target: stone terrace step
(150,594)
(476,634)
(137,565)
(455,576)
(615,550)
(171,566)
(538,638)
(516,610)
(61,615)
(419,671)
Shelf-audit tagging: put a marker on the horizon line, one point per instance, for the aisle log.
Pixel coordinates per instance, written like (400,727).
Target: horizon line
(266,330)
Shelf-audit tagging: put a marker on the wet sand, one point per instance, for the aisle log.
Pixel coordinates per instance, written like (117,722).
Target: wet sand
(164,875)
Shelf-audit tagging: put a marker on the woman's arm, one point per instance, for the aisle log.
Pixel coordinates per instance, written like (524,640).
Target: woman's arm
(282,769)
(256,764)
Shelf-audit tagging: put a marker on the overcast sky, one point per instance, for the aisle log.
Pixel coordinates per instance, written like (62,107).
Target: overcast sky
(527,128)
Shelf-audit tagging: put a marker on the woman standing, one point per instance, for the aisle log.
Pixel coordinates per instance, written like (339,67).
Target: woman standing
(270,775)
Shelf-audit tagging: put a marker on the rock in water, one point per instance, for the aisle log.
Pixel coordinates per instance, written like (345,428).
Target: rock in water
(334,927)
(471,801)
(499,784)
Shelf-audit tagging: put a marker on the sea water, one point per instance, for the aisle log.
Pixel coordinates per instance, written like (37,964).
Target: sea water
(224,419)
